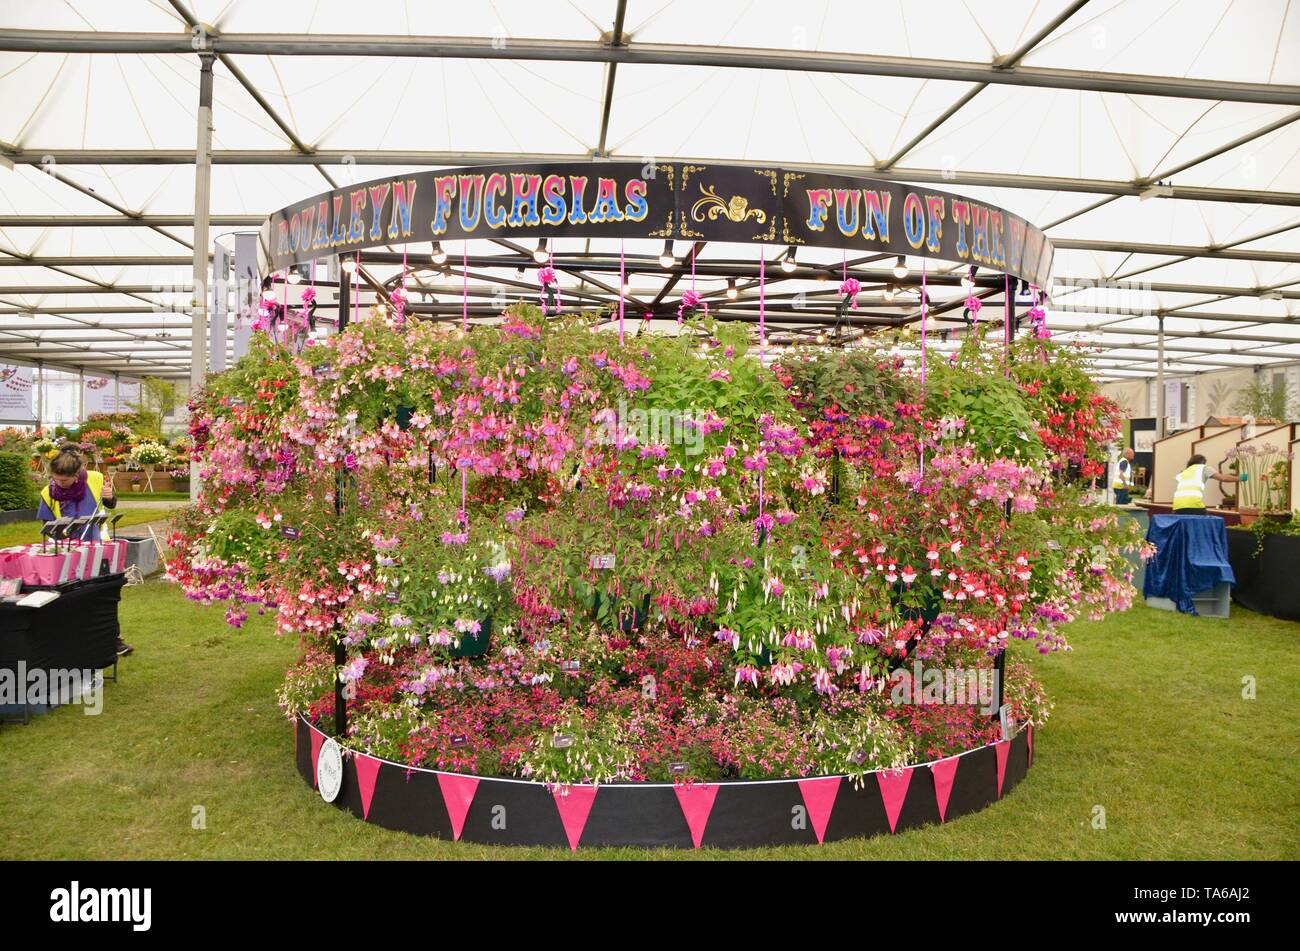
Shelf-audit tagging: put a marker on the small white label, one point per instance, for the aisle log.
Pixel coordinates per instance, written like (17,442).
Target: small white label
(1008,722)
(329,770)
(602,562)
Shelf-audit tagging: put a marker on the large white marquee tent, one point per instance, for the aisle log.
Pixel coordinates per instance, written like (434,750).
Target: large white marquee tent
(1154,141)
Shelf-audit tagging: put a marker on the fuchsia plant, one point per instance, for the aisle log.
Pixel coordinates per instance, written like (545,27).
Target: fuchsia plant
(691,564)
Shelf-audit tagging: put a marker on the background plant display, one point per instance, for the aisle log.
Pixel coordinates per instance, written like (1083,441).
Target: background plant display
(554,557)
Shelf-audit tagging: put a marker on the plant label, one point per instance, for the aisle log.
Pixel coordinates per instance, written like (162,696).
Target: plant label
(460,739)
(562,741)
(329,770)
(602,562)
(290,533)
(570,666)
(676,769)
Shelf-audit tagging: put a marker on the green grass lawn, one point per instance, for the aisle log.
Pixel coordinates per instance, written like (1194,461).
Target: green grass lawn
(20,533)
(1150,724)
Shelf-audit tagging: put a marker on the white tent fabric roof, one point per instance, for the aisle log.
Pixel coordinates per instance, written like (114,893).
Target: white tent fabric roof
(530,79)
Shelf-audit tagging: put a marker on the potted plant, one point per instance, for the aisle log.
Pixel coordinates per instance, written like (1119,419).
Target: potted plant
(149,455)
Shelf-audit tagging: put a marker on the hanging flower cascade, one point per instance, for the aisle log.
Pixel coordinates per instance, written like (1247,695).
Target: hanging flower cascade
(549,294)
(552,557)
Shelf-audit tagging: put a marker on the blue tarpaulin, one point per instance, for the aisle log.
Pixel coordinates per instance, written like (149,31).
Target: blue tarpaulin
(1191,557)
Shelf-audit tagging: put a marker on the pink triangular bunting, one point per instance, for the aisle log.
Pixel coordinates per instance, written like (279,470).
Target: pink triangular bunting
(457,795)
(317,741)
(574,803)
(367,774)
(943,771)
(1002,749)
(819,796)
(1029,738)
(696,800)
(893,790)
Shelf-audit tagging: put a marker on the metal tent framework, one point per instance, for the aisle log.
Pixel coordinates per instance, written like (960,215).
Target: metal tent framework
(1155,143)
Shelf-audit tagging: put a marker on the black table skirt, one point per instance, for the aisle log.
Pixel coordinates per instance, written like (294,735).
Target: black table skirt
(76,631)
(1268,583)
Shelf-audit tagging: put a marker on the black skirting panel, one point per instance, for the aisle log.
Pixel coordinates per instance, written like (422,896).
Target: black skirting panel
(727,815)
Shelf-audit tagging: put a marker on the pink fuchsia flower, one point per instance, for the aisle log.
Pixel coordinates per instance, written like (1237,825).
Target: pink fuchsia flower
(851,288)
(784,674)
(728,636)
(909,574)
(823,682)
(746,675)
(691,301)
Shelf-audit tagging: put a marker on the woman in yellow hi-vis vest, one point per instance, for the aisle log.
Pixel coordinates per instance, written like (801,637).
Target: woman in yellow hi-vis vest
(74,491)
(1189,491)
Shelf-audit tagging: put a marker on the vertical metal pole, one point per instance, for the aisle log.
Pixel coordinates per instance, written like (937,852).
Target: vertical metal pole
(1160,380)
(340,484)
(117,392)
(81,394)
(1008,322)
(40,393)
(202,200)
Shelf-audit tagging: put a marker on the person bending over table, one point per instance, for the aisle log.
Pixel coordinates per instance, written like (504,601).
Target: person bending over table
(75,491)
(1189,491)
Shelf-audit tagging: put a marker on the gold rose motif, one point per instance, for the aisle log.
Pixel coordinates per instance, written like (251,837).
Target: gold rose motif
(737,210)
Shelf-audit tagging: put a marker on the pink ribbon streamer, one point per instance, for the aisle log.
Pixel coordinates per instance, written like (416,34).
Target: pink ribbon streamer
(464,301)
(924,318)
(762,301)
(622,283)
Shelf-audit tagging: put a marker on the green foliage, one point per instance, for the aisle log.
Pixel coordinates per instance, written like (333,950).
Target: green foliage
(157,399)
(975,388)
(1264,399)
(17,490)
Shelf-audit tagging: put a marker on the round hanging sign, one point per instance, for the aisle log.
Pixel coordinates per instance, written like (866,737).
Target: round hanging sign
(329,770)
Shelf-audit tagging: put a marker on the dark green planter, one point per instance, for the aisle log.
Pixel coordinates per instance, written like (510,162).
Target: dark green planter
(629,622)
(475,645)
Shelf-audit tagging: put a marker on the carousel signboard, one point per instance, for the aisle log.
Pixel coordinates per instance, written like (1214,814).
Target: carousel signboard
(664,200)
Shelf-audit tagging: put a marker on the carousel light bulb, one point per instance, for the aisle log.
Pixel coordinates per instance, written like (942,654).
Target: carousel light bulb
(821,336)
(268,294)
(666,257)
(439,253)
(732,292)
(900,269)
(348,264)
(295,276)
(540,255)
(889,292)
(519,272)
(788,263)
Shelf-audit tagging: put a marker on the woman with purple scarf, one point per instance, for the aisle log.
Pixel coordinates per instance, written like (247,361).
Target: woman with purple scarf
(75,491)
